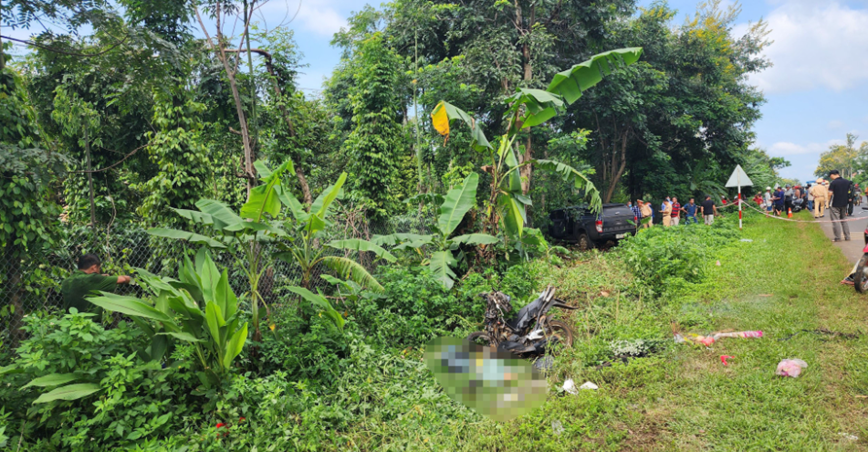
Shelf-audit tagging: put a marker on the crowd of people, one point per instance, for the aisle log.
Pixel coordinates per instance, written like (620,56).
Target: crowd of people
(815,197)
(671,211)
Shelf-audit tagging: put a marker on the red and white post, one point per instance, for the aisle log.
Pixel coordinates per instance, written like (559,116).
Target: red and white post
(739,207)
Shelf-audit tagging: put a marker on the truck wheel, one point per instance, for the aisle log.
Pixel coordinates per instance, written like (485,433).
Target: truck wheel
(585,243)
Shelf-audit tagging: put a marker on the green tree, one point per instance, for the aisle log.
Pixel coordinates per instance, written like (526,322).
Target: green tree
(376,142)
(28,212)
(658,124)
(845,158)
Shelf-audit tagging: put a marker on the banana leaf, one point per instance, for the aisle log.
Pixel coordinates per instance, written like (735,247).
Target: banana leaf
(572,82)
(458,202)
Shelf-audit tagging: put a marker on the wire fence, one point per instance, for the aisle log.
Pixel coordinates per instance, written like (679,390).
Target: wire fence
(32,283)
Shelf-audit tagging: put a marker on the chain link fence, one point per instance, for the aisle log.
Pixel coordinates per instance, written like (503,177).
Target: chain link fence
(32,284)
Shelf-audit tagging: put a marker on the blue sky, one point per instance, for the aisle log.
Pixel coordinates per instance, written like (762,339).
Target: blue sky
(817,90)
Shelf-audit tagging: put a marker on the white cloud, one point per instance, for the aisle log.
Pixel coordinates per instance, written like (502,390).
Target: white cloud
(787,149)
(321,17)
(816,44)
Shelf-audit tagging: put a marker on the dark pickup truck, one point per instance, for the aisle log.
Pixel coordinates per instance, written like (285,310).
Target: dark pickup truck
(577,224)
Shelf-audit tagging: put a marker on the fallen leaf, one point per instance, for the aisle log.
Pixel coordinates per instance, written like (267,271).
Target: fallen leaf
(604,293)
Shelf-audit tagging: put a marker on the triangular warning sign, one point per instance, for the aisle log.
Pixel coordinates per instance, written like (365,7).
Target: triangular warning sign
(739,178)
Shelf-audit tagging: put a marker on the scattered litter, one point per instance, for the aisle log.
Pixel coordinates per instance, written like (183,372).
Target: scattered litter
(724,358)
(589,385)
(862,396)
(848,436)
(694,339)
(746,240)
(718,263)
(740,334)
(557,427)
(604,293)
(708,340)
(570,386)
(791,367)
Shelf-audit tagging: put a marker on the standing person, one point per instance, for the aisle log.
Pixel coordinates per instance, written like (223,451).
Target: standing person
(666,211)
(758,199)
(637,211)
(767,200)
(779,201)
(689,210)
(676,212)
(851,199)
(840,192)
(820,197)
(810,197)
(86,279)
(647,214)
(788,198)
(709,210)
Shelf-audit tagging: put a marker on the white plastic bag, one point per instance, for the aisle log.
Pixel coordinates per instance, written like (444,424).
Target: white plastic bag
(791,368)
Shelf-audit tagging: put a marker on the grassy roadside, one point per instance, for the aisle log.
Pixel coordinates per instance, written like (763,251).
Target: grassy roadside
(671,396)
(682,398)
(783,282)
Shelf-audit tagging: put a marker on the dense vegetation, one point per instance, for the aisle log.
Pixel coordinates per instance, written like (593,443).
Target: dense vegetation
(392,223)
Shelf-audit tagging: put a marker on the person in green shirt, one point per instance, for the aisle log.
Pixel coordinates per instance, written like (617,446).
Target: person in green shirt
(85,280)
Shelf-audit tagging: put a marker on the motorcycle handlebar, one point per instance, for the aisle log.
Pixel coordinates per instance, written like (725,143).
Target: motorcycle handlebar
(562,305)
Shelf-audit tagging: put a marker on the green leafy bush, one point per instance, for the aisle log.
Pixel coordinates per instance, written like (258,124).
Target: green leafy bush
(304,349)
(660,256)
(131,399)
(414,308)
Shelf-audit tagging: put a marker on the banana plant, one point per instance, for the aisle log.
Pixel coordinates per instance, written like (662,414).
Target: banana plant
(456,204)
(198,308)
(529,108)
(243,233)
(257,223)
(308,224)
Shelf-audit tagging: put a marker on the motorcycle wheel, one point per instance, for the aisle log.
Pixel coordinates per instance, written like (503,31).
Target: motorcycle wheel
(561,331)
(479,338)
(861,278)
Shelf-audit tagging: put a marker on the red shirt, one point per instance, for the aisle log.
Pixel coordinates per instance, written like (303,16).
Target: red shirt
(676,210)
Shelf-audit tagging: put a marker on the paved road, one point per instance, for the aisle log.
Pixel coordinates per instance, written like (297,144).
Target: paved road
(852,249)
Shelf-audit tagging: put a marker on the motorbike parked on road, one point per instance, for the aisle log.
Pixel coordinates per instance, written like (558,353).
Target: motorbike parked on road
(532,329)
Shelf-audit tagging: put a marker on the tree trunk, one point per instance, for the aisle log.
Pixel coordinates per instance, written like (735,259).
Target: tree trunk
(89,176)
(236,96)
(302,180)
(619,160)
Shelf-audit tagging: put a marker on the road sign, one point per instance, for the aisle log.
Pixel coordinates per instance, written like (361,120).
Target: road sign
(739,179)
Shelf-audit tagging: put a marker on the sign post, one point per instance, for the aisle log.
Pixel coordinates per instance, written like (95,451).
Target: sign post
(738,179)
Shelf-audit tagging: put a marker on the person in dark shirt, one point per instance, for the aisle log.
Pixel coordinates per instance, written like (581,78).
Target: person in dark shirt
(709,210)
(87,279)
(779,201)
(840,192)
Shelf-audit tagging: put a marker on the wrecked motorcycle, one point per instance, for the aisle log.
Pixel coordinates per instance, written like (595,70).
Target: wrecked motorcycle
(530,331)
